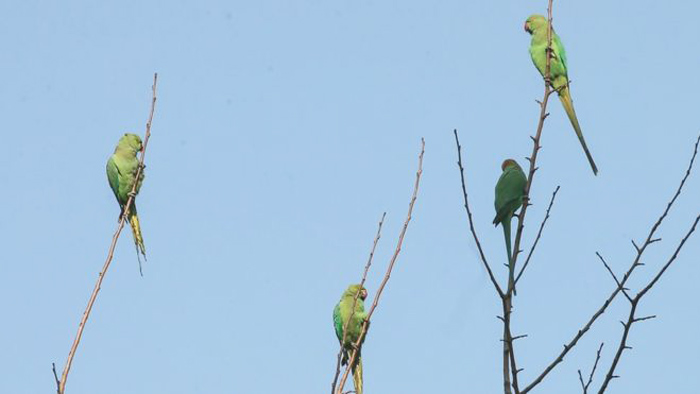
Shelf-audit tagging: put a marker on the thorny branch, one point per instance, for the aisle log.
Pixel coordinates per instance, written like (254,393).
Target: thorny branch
(507,300)
(375,302)
(510,369)
(539,234)
(352,311)
(620,286)
(61,385)
(633,308)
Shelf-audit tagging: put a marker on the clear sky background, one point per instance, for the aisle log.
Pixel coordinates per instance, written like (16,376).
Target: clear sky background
(283,130)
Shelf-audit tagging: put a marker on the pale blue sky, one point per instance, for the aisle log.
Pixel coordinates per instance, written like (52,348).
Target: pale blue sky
(283,130)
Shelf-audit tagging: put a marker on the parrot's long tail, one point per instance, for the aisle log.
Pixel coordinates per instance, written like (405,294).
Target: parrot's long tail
(565,99)
(357,374)
(138,237)
(509,251)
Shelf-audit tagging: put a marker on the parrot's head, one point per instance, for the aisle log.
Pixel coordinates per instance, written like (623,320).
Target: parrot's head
(131,142)
(534,23)
(509,163)
(353,290)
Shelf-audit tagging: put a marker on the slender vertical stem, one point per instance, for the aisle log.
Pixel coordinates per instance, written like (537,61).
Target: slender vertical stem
(395,256)
(506,299)
(110,253)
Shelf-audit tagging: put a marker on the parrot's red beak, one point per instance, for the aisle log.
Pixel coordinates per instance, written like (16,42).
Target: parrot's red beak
(527,28)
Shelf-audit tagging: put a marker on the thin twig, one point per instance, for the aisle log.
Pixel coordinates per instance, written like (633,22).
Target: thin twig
(471,221)
(110,253)
(585,386)
(352,311)
(55,377)
(539,234)
(636,263)
(619,285)
(375,302)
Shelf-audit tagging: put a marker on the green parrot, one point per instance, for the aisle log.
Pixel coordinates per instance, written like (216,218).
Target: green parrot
(510,191)
(341,315)
(536,25)
(121,174)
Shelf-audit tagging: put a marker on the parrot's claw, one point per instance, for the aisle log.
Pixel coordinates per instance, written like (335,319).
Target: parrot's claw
(132,194)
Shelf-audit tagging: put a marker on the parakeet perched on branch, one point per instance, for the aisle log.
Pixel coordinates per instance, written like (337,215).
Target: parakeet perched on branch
(536,25)
(121,174)
(510,191)
(341,316)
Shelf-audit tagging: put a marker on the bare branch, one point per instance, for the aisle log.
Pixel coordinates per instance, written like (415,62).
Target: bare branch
(506,299)
(471,221)
(623,345)
(110,253)
(668,263)
(535,149)
(621,283)
(375,302)
(352,311)
(55,376)
(539,234)
(585,386)
(635,301)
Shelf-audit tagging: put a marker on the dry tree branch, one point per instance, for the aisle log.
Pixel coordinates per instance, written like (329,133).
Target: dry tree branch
(539,234)
(584,386)
(471,221)
(375,302)
(352,311)
(507,300)
(621,283)
(61,385)
(633,307)
(536,146)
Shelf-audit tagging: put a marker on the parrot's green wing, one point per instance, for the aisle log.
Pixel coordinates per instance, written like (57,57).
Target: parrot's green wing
(509,193)
(559,51)
(338,322)
(113,177)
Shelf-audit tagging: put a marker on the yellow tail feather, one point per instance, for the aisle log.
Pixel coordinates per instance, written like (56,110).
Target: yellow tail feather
(138,237)
(565,99)
(357,375)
